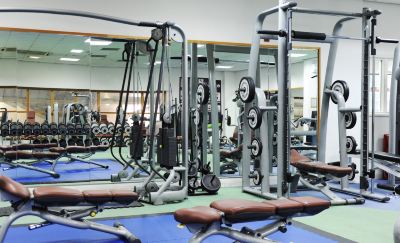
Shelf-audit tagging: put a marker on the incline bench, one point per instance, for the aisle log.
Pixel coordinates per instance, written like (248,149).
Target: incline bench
(318,173)
(45,203)
(207,221)
(52,155)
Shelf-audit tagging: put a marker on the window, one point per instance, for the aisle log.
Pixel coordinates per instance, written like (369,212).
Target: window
(383,79)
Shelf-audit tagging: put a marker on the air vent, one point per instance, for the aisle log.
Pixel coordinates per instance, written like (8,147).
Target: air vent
(109,49)
(99,56)
(33,53)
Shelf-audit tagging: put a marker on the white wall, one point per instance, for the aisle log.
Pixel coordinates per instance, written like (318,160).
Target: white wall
(226,20)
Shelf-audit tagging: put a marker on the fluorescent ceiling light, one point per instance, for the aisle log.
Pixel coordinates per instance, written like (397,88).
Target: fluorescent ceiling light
(200,55)
(224,67)
(34,57)
(76,51)
(297,55)
(200,45)
(155,63)
(68,59)
(97,42)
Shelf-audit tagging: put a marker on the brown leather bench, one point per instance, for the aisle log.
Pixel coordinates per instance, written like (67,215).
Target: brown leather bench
(27,146)
(59,196)
(207,221)
(38,202)
(241,210)
(305,164)
(22,154)
(79,149)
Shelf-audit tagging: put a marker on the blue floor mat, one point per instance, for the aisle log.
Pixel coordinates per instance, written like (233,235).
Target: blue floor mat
(161,228)
(69,172)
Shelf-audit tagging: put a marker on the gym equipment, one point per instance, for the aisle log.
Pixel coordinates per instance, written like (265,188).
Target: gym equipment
(87,142)
(53,140)
(45,141)
(79,141)
(63,143)
(350,119)
(37,129)
(62,129)
(53,128)
(16,128)
(95,128)
(110,127)
(41,202)
(351,145)
(78,129)
(203,93)
(247,89)
(5,129)
(71,128)
(341,87)
(71,141)
(103,128)
(45,128)
(27,130)
(205,221)
(96,141)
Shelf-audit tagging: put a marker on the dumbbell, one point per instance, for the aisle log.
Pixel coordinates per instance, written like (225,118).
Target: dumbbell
(79,141)
(16,128)
(45,128)
(103,128)
(86,128)
(54,140)
(70,128)
(5,129)
(63,143)
(110,127)
(36,141)
(37,129)
(78,128)
(27,129)
(95,128)
(127,141)
(105,142)
(53,128)
(45,140)
(119,129)
(127,128)
(62,129)
(96,141)
(71,141)
(88,142)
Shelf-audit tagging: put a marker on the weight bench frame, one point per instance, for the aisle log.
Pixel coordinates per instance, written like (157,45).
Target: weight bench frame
(72,158)
(70,216)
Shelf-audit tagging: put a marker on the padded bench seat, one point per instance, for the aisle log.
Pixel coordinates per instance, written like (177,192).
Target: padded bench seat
(303,163)
(79,149)
(240,210)
(21,154)
(60,196)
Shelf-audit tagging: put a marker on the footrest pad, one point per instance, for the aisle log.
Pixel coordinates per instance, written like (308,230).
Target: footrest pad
(197,215)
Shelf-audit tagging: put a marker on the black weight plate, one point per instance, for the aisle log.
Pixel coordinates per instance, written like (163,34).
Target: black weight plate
(340,86)
(247,89)
(350,119)
(210,183)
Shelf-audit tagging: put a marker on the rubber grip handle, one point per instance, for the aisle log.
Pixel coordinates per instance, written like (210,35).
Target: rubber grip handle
(308,35)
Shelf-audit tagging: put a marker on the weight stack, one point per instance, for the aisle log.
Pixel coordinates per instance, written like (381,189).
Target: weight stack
(166,148)
(137,141)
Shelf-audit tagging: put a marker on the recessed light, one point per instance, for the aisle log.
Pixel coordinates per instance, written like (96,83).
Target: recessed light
(297,55)
(78,51)
(34,57)
(68,59)
(224,67)
(98,42)
(155,63)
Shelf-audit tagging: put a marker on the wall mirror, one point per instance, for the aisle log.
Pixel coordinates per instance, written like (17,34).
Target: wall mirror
(54,84)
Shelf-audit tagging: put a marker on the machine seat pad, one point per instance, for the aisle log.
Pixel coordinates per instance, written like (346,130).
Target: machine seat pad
(45,145)
(23,146)
(295,156)
(58,196)
(20,154)
(45,155)
(78,149)
(59,150)
(124,196)
(101,148)
(5,148)
(14,188)
(238,210)
(197,215)
(312,205)
(97,196)
(285,207)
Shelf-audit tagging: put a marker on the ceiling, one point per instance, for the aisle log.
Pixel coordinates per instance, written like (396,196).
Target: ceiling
(49,48)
